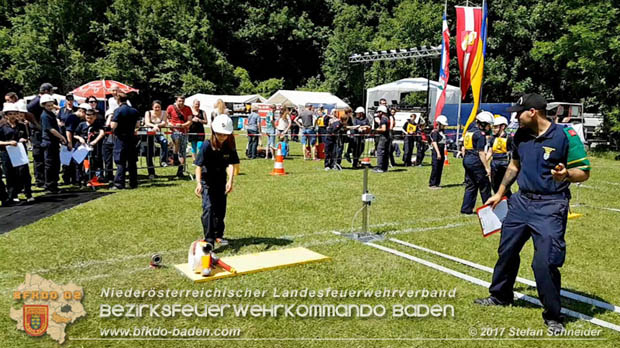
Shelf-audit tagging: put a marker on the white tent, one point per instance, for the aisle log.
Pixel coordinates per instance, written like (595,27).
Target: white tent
(398,89)
(207,101)
(301,98)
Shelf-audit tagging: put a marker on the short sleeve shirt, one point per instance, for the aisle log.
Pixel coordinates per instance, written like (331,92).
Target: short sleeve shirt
(7,133)
(307,118)
(438,137)
(126,118)
(49,122)
(538,155)
(214,163)
(175,118)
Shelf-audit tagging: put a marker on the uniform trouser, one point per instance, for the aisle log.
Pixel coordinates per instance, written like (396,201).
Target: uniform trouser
(252,143)
(544,219)
(150,150)
(213,211)
(24,180)
(38,164)
(334,146)
(393,148)
(498,169)
(437,169)
(476,179)
(358,144)
(3,195)
(69,173)
(12,179)
(108,161)
(419,157)
(408,150)
(383,154)
(51,154)
(126,158)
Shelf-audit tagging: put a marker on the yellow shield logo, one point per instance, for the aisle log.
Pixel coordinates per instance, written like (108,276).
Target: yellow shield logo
(548,151)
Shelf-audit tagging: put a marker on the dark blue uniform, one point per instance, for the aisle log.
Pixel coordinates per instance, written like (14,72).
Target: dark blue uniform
(214,164)
(8,133)
(539,210)
(71,121)
(438,137)
(476,178)
(51,149)
(125,152)
(358,141)
(89,133)
(383,145)
(334,144)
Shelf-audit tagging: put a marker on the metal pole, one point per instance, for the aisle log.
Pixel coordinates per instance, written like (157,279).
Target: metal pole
(428,89)
(365,208)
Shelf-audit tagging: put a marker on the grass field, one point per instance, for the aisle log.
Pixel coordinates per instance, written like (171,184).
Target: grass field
(107,243)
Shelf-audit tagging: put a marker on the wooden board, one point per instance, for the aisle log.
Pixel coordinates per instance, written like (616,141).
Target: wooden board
(258,262)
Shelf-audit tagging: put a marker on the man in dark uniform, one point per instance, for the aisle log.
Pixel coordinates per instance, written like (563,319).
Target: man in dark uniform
(124,124)
(38,159)
(477,168)
(68,122)
(50,140)
(384,140)
(546,158)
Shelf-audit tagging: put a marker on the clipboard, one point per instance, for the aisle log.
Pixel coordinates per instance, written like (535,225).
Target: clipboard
(491,219)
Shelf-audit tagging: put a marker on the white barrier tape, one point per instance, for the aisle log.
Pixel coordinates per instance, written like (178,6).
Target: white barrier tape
(486,284)
(565,293)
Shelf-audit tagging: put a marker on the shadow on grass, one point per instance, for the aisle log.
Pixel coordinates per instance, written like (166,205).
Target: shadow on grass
(567,303)
(453,185)
(236,244)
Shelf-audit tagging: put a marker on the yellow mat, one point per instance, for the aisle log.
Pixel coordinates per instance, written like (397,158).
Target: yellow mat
(252,263)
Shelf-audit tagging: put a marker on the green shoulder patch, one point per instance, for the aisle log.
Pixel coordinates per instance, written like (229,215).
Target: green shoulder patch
(577,156)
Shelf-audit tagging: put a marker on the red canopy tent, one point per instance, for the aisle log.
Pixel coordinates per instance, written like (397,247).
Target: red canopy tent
(101,88)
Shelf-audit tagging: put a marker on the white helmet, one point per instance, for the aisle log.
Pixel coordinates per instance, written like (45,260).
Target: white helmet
(21,105)
(360,109)
(222,124)
(46,98)
(85,106)
(501,120)
(441,119)
(485,117)
(382,108)
(10,107)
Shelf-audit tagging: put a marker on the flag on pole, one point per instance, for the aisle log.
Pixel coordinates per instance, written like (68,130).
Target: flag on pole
(444,72)
(477,68)
(468,21)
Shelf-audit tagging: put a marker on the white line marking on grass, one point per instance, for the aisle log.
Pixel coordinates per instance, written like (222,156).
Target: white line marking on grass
(486,284)
(564,293)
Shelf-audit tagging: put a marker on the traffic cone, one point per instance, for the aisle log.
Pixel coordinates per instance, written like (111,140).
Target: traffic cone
(278,165)
(445,155)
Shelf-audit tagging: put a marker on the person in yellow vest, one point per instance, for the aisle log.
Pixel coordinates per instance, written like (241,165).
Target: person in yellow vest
(477,168)
(498,153)
(409,130)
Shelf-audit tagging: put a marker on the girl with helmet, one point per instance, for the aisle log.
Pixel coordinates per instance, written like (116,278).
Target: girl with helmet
(499,153)
(477,168)
(215,166)
(438,142)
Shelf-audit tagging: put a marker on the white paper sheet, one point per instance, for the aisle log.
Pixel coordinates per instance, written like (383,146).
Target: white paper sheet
(80,153)
(491,219)
(65,156)
(17,155)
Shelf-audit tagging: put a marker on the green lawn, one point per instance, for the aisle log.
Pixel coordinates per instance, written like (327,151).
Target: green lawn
(107,243)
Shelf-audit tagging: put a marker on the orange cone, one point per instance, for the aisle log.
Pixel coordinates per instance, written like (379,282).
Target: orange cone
(278,165)
(445,155)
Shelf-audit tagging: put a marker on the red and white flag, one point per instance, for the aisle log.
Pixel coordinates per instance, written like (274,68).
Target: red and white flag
(468,20)
(444,72)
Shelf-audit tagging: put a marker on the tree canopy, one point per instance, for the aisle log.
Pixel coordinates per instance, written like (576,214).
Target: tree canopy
(563,49)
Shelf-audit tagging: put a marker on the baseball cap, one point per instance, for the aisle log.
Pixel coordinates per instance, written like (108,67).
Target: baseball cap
(529,101)
(47,87)
(222,124)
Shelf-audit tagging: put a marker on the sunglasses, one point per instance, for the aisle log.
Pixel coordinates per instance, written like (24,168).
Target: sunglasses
(93,101)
